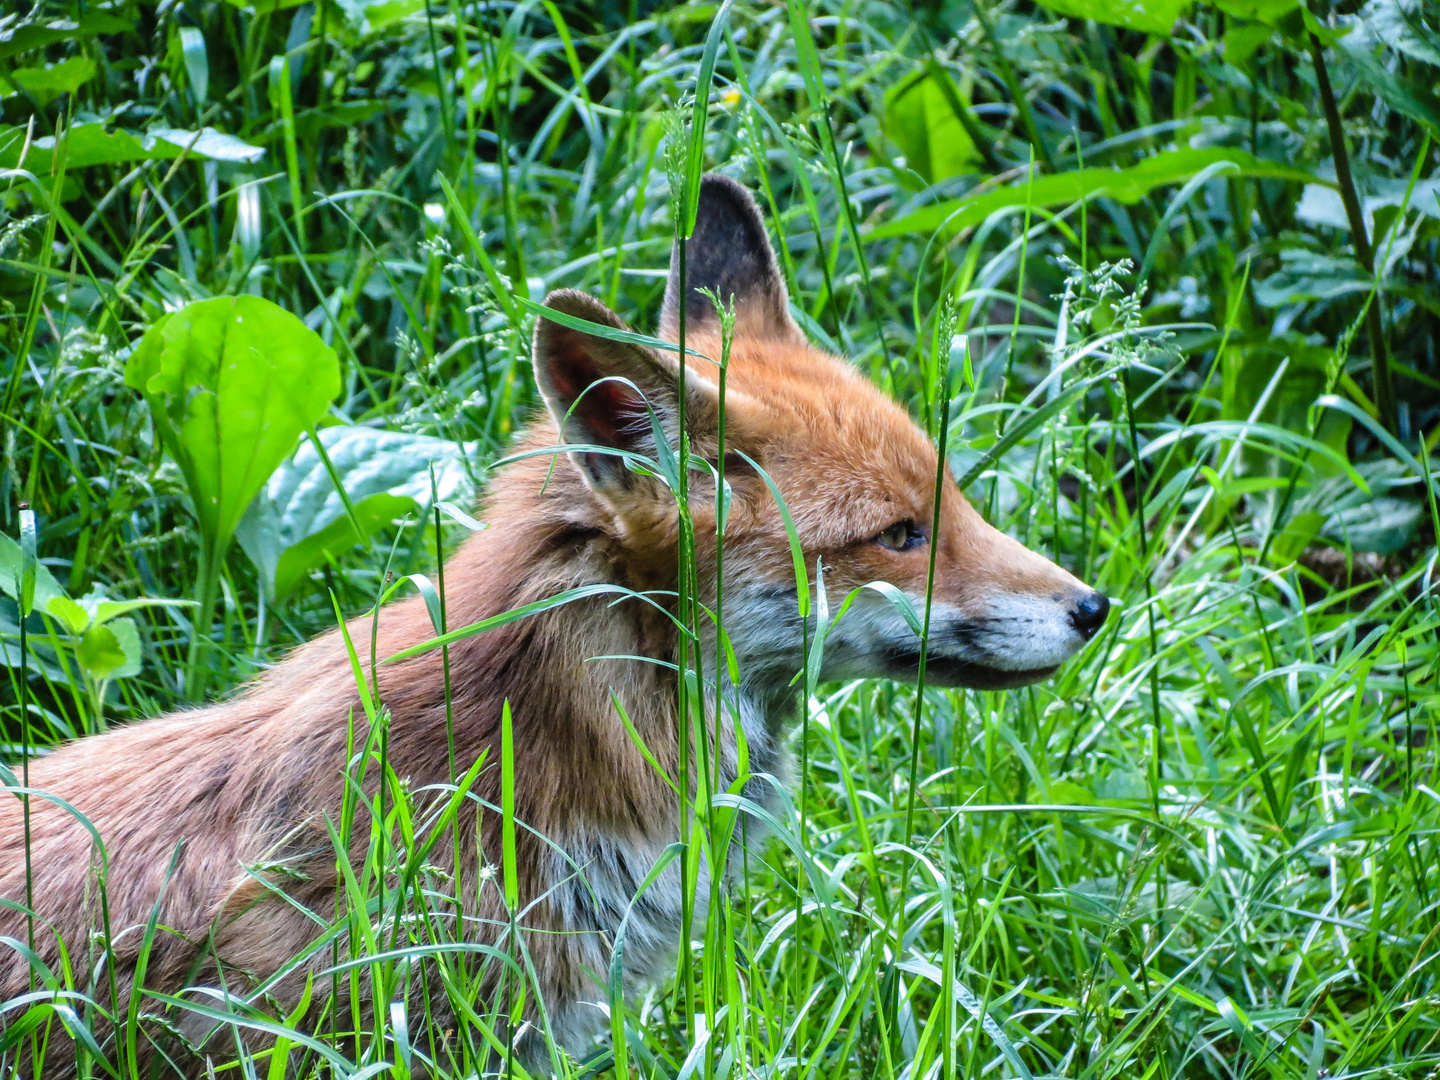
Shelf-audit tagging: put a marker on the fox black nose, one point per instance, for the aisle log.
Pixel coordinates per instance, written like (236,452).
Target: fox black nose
(1089,614)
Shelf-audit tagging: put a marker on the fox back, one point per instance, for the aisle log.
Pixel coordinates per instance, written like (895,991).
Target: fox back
(219,824)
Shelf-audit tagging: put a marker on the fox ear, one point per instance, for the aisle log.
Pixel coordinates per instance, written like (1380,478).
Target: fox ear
(729,253)
(597,391)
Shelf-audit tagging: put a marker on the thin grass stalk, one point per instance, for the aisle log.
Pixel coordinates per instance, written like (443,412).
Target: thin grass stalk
(944,404)
(1334,370)
(1140,514)
(34,311)
(1364,254)
(815,91)
(914,769)
(1012,83)
(716,913)
(685,561)
(280,81)
(29,563)
(447,120)
(501,106)
(1000,416)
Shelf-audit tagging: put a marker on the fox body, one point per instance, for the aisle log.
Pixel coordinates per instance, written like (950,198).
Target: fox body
(196,809)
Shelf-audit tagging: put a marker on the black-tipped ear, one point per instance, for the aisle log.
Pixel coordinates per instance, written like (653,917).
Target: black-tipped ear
(729,253)
(597,391)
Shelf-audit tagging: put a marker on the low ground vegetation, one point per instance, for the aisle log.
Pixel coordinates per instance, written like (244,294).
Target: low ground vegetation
(1164,280)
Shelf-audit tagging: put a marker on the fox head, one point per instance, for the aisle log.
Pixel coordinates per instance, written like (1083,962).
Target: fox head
(857,475)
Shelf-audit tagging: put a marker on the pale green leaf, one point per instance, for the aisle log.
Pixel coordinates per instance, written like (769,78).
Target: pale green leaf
(1150,16)
(102,610)
(61,78)
(1165,169)
(923,125)
(1384,525)
(100,653)
(1402,25)
(1308,275)
(68,613)
(197,63)
(30,36)
(232,384)
(299,518)
(91,144)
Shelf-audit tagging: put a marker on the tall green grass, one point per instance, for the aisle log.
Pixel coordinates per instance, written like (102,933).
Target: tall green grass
(1205,848)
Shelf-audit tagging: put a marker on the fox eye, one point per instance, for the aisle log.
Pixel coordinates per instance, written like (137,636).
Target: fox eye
(902,536)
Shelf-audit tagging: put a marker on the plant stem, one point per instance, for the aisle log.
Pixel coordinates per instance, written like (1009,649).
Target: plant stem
(206,586)
(25,603)
(1380,357)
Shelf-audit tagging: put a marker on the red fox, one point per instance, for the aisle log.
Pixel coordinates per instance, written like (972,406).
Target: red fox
(197,809)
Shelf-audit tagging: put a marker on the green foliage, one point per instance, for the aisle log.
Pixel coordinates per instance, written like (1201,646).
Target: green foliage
(1128,186)
(1148,16)
(924,123)
(231,384)
(1107,249)
(299,521)
(102,642)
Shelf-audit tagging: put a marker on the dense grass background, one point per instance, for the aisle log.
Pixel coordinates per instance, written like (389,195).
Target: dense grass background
(1206,848)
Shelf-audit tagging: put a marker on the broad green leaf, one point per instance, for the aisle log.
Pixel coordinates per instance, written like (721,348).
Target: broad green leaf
(311,122)
(384,12)
(1124,185)
(298,517)
(1307,275)
(59,78)
(1242,41)
(28,37)
(1401,25)
(197,63)
(1384,525)
(91,144)
(103,654)
(1150,16)
(923,125)
(1320,205)
(102,609)
(232,384)
(68,613)
(94,21)
(46,587)
(129,638)
(1269,12)
(1402,93)
(22,39)
(374,514)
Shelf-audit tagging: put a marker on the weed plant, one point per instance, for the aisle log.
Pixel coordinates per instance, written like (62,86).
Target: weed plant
(1161,282)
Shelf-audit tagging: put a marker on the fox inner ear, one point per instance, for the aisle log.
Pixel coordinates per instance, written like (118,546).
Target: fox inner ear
(597,391)
(729,253)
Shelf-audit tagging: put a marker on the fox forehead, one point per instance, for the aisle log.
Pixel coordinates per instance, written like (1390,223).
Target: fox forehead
(848,459)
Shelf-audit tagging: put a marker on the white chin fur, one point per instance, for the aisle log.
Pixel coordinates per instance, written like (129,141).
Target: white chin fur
(1015,633)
